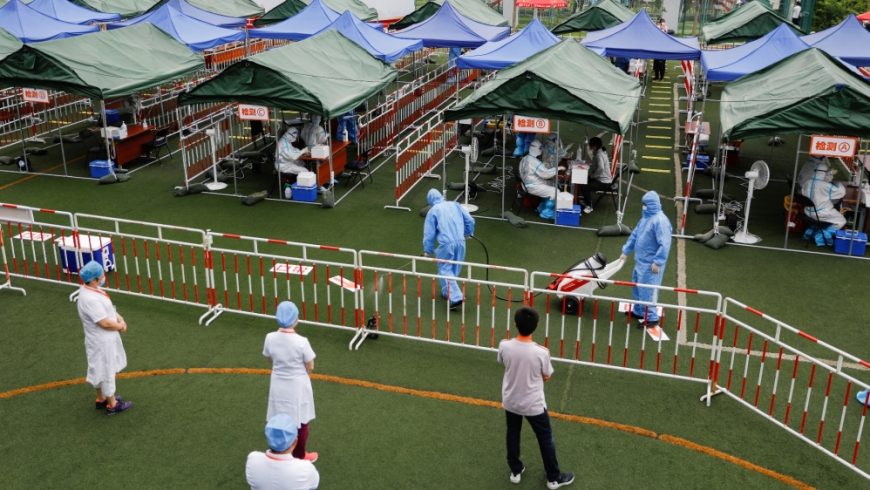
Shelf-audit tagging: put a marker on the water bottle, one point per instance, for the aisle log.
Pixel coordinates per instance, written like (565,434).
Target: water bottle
(344,135)
(144,124)
(288,191)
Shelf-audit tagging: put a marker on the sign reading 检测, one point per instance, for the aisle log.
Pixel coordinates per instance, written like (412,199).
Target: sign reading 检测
(253,112)
(833,146)
(526,124)
(34,95)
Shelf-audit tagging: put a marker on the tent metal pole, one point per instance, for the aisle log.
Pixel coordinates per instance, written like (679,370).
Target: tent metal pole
(106,138)
(797,155)
(503,161)
(719,207)
(329,145)
(21,134)
(180,122)
(59,137)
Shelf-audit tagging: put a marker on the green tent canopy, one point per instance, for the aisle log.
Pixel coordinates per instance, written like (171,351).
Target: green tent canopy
(8,44)
(101,65)
(326,74)
(230,8)
(807,92)
(285,10)
(750,21)
(568,82)
(473,9)
(127,8)
(602,15)
(292,7)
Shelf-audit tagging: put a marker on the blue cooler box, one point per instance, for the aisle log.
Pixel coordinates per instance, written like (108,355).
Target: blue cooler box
(90,247)
(568,217)
(305,194)
(702,161)
(99,168)
(845,237)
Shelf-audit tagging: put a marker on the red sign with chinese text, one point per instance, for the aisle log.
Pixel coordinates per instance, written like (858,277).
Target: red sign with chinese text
(526,124)
(253,112)
(833,146)
(35,95)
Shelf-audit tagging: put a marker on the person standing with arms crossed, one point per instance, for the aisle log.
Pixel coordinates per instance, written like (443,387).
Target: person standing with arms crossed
(526,367)
(103,328)
(290,389)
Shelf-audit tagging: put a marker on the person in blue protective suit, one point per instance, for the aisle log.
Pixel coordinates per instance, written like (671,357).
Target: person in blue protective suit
(823,191)
(448,224)
(523,141)
(651,243)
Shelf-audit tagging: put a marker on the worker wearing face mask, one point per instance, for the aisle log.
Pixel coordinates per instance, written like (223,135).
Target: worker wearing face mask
(823,191)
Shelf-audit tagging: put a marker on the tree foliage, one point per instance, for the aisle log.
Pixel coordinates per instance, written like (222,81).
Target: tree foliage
(831,12)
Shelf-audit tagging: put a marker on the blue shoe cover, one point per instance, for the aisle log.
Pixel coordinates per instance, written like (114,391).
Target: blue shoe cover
(819,238)
(862,397)
(549,211)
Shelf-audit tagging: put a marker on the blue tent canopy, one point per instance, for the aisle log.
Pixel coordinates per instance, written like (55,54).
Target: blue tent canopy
(31,26)
(190,11)
(448,29)
(69,12)
(196,34)
(848,40)
(730,64)
(640,38)
(501,54)
(378,43)
(310,20)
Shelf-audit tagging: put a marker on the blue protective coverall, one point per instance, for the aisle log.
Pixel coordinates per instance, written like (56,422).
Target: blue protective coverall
(651,243)
(448,223)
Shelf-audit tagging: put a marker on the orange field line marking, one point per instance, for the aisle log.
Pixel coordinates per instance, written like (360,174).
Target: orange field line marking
(33,176)
(437,395)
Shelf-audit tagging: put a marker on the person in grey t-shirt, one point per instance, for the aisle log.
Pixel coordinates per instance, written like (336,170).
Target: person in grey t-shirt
(526,367)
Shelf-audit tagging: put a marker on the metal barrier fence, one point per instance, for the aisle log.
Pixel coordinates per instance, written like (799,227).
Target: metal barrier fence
(206,141)
(792,387)
(401,298)
(599,330)
(21,120)
(419,152)
(252,275)
(796,381)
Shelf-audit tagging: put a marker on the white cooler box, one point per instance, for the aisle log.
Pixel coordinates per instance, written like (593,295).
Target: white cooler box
(564,200)
(90,247)
(306,179)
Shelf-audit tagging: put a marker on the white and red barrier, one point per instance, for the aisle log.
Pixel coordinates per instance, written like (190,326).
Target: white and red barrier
(28,237)
(804,386)
(252,275)
(21,120)
(402,293)
(688,68)
(599,330)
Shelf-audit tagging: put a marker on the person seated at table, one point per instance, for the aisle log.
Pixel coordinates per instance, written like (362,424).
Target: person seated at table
(808,170)
(313,133)
(600,178)
(288,154)
(824,192)
(540,180)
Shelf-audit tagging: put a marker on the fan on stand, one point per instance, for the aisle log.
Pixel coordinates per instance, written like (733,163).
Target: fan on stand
(758,176)
(215,185)
(471,154)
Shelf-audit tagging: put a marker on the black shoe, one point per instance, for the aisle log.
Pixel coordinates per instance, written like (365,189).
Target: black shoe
(105,403)
(121,406)
(456,305)
(564,479)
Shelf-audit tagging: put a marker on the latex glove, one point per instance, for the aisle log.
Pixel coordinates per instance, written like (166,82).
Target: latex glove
(428,255)
(562,168)
(305,151)
(622,257)
(655,269)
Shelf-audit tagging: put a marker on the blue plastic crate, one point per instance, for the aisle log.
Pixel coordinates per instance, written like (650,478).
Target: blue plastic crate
(702,161)
(568,217)
(113,117)
(304,194)
(858,242)
(99,168)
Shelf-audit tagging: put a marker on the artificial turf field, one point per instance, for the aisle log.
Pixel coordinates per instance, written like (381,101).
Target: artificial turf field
(192,429)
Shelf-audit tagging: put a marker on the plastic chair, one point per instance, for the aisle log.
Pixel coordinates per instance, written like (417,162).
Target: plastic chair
(806,202)
(612,191)
(522,196)
(358,169)
(160,141)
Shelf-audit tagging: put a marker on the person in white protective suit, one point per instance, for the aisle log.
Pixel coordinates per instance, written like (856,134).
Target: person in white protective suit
(807,170)
(823,191)
(313,133)
(287,155)
(103,327)
(540,179)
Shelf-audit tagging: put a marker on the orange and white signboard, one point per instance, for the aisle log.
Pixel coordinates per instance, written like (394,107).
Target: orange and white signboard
(526,124)
(833,146)
(253,112)
(35,95)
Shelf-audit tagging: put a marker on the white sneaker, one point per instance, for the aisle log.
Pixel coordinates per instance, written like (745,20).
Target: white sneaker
(519,476)
(587,209)
(563,480)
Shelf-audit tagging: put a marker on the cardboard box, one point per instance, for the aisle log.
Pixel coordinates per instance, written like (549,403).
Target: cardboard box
(564,200)
(319,151)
